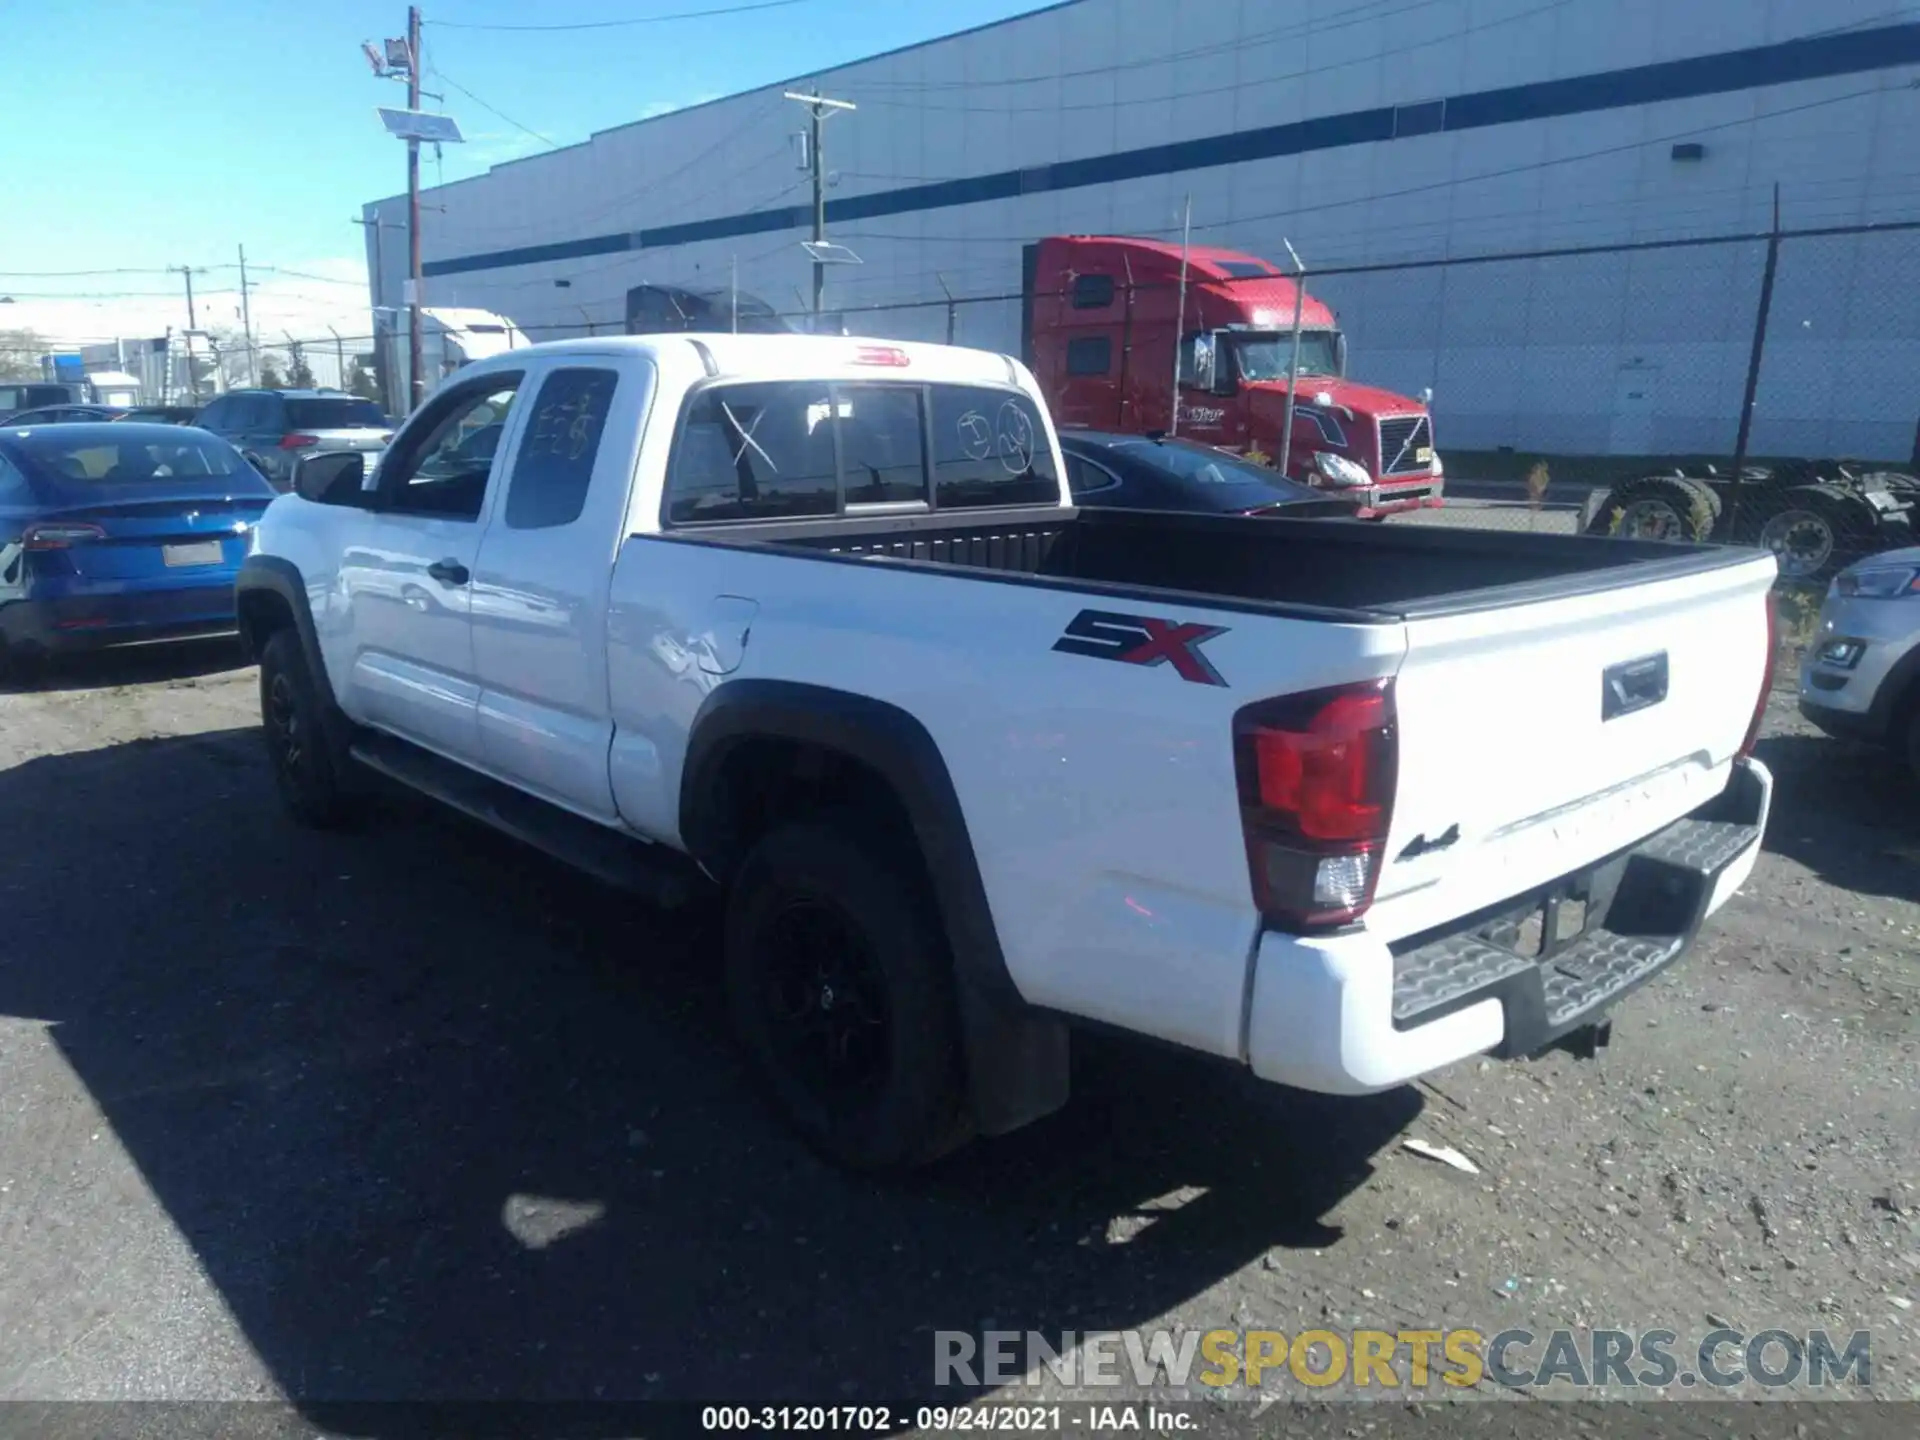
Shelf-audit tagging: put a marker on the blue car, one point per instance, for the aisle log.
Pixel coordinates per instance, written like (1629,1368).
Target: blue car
(112,533)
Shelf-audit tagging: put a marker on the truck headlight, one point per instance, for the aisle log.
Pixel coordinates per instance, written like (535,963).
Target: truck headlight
(1340,470)
(1882,582)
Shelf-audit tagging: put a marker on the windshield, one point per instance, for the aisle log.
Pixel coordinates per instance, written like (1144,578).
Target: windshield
(1266,357)
(346,413)
(78,457)
(1214,480)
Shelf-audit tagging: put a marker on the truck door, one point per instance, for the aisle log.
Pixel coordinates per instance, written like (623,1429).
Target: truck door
(540,585)
(1206,415)
(406,569)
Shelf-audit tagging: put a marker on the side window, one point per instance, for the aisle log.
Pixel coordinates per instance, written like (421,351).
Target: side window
(244,413)
(554,465)
(440,464)
(1197,360)
(213,417)
(1092,292)
(882,444)
(1086,478)
(1089,355)
(989,448)
(756,452)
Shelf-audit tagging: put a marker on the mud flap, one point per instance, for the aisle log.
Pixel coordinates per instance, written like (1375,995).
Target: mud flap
(1017,1062)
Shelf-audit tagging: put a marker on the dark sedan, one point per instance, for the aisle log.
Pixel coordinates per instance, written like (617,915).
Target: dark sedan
(111,532)
(65,415)
(1142,472)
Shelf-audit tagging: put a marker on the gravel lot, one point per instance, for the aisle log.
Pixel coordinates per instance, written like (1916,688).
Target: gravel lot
(414,1113)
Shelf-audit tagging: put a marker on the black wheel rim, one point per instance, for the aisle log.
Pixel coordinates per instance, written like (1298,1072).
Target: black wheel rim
(283,725)
(1801,540)
(823,1000)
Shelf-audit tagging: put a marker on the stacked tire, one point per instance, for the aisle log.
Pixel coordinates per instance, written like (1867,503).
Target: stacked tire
(1658,507)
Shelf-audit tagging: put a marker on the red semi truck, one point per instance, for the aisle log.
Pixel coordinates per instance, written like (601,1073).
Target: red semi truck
(1102,315)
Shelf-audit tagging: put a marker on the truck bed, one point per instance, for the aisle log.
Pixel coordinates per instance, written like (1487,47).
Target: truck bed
(1329,568)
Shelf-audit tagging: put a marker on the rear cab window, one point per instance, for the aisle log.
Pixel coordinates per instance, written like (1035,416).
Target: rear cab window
(791,450)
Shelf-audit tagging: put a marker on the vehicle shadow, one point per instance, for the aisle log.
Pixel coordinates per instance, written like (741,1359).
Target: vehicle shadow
(126,665)
(443,1121)
(1850,813)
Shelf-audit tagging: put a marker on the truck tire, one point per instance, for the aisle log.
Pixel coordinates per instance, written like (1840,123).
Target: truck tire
(1816,530)
(841,992)
(315,781)
(1657,507)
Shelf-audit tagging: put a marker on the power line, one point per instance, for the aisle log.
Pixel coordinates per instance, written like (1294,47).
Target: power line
(79,274)
(307,275)
(621,24)
(496,113)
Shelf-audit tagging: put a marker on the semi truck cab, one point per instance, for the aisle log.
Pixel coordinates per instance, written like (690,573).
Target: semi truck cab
(1106,316)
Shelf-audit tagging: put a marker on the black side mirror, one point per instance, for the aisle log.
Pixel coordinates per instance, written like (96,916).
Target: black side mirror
(332,479)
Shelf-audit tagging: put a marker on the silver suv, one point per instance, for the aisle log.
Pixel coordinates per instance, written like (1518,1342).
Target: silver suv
(274,428)
(1861,675)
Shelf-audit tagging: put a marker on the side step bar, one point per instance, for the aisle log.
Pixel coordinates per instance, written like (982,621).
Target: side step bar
(655,873)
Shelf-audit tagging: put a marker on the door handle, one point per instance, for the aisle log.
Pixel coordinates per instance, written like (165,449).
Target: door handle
(449,572)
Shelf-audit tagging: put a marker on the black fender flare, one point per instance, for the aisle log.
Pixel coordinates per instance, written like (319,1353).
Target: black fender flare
(281,578)
(1016,1054)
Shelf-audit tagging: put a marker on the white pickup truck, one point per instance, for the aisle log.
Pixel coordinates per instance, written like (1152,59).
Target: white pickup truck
(813,621)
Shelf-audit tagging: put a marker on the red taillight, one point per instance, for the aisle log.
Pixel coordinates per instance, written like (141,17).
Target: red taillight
(1766,679)
(59,534)
(298,442)
(887,355)
(1316,774)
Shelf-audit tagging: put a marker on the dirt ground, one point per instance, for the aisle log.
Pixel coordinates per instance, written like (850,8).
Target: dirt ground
(413,1113)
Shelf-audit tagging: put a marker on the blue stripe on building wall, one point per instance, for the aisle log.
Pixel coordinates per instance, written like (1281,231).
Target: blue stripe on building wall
(1814,58)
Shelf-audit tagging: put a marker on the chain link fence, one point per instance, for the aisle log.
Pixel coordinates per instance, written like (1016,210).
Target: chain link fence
(1758,389)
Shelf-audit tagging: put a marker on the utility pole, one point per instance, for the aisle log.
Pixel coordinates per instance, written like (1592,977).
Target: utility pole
(193,321)
(193,327)
(1180,312)
(819,109)
(1285,457)
(246,321)
(416,378)
(1744,435)
(340,357)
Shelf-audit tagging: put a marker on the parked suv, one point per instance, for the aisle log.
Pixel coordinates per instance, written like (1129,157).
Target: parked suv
(273,428)
(1861,676)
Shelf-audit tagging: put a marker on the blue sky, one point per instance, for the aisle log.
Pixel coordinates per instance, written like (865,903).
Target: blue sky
(166,132)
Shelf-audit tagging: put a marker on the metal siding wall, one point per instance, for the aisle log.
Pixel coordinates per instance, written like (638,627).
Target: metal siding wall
(1533,364)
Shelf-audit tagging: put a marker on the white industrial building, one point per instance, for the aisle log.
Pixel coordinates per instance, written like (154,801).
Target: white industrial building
(1367,133)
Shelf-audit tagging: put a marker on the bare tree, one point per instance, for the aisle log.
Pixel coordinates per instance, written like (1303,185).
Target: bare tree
(20,352)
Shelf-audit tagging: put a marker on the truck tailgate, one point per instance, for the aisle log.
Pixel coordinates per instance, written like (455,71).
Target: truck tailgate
(1538,738)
